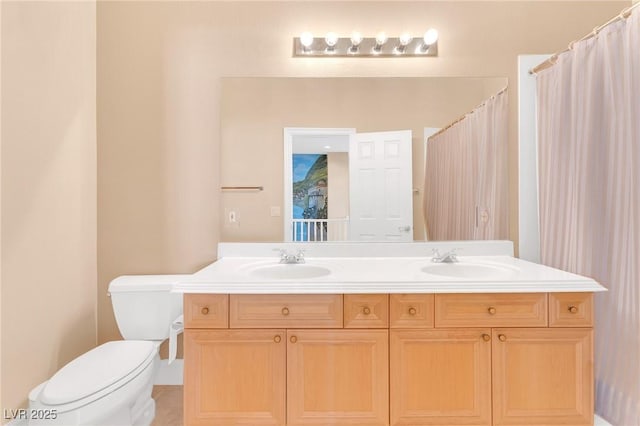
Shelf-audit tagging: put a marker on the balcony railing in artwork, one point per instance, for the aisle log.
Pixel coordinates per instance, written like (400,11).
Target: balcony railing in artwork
(320,229)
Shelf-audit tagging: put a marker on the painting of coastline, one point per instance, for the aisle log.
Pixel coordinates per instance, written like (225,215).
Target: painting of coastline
(309,192)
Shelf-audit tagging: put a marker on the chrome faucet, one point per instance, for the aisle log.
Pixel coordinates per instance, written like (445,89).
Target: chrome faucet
(285,257)
(448,257)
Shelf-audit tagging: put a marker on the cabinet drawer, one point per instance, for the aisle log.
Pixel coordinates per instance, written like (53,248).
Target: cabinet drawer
(411,311)
(206,310)
(285,311)
(366,310)
(570,309)
(491,310)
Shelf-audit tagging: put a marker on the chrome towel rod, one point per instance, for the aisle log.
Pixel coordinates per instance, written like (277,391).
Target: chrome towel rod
(242,188)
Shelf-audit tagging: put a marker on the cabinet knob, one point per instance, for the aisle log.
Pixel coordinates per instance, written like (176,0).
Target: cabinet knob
(285,311)
(486,337)
(293,339)
(502,337)
(412,311)
(204,310)
(277,338)
(366,310)
(573,309)
(491,310)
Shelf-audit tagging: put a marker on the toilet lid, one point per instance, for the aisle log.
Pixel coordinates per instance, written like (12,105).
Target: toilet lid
(97,369)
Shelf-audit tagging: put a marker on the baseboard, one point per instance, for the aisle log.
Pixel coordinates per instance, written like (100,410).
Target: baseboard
(599,421)
(169,374)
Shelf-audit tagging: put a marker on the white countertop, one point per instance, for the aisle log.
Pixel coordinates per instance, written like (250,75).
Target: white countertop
(236,275)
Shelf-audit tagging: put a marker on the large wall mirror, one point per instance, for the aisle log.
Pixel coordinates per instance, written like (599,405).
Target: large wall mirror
(256,111)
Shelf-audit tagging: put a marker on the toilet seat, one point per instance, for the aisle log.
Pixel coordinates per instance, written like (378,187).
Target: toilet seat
(97,373)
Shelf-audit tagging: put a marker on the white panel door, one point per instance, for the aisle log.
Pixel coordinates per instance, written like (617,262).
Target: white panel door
(381,195)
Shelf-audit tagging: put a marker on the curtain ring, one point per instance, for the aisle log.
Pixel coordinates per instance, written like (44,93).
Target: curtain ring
(625,13)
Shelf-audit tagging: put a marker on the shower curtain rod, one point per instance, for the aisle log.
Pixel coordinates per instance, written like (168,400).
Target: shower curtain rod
(554,58)
(459,119)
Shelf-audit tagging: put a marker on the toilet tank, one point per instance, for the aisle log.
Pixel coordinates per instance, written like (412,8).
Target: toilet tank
(144,305)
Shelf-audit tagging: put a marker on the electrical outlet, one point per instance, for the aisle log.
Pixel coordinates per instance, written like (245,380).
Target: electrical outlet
(231,217)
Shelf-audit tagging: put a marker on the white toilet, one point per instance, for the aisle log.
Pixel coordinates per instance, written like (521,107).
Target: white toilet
(111,385)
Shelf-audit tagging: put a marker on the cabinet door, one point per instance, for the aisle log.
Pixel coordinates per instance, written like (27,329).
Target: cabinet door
(234,377)
(542,376)
(440,377)
(338,377)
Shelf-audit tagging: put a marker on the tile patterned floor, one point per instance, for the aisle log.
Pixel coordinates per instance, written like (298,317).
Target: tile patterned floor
(168,405)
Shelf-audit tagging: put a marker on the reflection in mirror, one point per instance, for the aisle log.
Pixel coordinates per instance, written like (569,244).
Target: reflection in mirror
(316,160)
(254,112)
(367,176)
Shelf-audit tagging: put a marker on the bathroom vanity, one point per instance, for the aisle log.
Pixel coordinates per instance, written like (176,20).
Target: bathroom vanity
(387,340)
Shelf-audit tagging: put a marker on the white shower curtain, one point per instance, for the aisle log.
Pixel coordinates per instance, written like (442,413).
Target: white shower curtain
(465,187)
(589,168)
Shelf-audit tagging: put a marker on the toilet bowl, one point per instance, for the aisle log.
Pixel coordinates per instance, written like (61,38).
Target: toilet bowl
(111,384)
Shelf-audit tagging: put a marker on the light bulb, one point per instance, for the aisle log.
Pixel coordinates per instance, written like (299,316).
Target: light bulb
(331,39)
(356,38)
(306,39)
(381,38)
(405,38)
(430,37)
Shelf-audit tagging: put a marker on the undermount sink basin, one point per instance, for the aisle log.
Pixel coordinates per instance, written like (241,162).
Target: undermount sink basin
(289,271)
(470,271)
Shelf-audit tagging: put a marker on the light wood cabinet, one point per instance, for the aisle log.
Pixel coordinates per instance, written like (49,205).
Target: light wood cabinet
(285,310)
(366,310)
(380,360)
(337,377)
(542,376)
(411,310)
(570,310)
(234,377)
(206,310)
(491,310)
(440,377)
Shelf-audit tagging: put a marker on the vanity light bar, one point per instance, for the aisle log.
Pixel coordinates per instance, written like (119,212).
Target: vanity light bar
(354,46)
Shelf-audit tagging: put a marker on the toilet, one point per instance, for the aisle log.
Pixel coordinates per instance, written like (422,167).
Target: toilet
(111,385)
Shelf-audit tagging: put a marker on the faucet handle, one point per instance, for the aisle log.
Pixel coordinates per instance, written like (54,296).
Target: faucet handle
(283,253)
(300,256)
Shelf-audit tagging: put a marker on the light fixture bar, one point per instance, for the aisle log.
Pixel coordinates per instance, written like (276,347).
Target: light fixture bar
(394,47)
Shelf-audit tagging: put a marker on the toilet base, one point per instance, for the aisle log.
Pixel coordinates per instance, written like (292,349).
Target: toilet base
(144,415)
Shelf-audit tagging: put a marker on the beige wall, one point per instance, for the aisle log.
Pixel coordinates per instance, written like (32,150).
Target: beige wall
(254,112)
(48,191)
(159,70)
(338,193)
